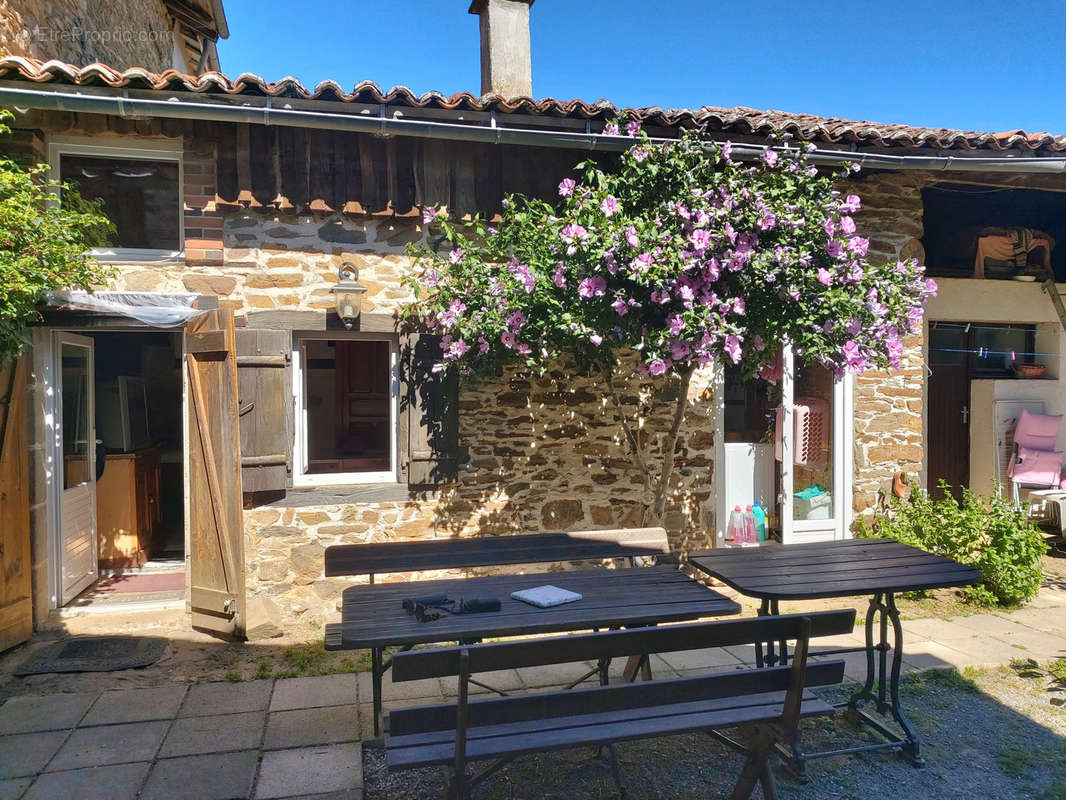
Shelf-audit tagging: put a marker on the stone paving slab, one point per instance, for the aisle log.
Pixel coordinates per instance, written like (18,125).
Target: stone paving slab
(116,782)
(210,699)
(311,726)
(110,744)
(30,713)
(984,625)
(1048,620)
(219,776)
(135,705)
(13,788)
(197,735)
(310,770)
(935,655)
(315,692)
(27,753)
(1033,644)
(684,660)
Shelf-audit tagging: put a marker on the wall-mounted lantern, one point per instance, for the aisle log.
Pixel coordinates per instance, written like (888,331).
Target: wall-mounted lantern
(348,293)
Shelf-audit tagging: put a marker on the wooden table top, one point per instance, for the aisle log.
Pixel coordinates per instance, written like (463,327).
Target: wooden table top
(831,569)
(373,616)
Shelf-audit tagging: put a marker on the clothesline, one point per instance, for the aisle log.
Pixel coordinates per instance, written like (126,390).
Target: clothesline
(985,352)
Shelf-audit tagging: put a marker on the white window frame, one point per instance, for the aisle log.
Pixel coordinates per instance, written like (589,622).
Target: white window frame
(111,148)
(301,478)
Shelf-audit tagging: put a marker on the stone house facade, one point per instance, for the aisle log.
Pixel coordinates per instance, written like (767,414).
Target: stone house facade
(152,34)
(268,213)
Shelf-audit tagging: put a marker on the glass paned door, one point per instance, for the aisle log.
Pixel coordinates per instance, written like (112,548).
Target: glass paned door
(75,460)
(816,435)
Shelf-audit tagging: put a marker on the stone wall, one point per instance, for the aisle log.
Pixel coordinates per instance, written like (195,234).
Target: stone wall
(131,33)
(888,405)
(540,453)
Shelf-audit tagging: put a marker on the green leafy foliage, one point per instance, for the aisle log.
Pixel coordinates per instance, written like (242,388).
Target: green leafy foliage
(988,533)
(43,245)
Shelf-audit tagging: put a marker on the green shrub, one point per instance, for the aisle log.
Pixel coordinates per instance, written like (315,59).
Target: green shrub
(988,533)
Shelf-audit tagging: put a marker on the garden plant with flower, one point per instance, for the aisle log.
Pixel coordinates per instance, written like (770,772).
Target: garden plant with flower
(677,257)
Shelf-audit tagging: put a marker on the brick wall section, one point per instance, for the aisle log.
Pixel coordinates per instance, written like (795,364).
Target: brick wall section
(888,405)
(203,222)
(131,33)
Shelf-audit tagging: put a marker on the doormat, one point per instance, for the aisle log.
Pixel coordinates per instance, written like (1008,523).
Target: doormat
(94,654)
(141,582)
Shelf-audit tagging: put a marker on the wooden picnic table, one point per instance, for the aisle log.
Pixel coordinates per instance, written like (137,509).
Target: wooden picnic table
(845,568)
(372,615)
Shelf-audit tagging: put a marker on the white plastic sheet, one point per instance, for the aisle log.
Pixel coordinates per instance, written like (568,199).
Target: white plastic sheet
(152,308)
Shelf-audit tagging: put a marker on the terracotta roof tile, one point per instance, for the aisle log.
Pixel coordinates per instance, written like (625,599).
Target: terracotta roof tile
(738,120)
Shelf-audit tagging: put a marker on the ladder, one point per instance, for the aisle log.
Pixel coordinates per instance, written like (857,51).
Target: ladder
(1056,299)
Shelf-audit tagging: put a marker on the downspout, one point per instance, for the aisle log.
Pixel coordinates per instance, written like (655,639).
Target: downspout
(271,114)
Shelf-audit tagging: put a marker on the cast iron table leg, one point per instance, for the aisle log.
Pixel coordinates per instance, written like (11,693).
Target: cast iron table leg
(883,605)
(375,667)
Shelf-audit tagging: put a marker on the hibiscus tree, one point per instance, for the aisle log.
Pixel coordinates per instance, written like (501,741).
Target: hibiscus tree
(676,258)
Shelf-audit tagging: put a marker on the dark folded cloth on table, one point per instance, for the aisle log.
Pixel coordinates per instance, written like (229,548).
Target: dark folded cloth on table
(478,605)
(434,606)
(410,604)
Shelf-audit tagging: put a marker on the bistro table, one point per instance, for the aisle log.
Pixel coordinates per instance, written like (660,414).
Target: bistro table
(373,617)
(845,568)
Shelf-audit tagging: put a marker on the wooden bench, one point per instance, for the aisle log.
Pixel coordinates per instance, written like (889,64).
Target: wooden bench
(772,698)
(490,551)
(371,616)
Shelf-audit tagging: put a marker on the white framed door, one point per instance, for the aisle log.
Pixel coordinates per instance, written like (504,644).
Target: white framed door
(816,498)
(813,499)
(74,457)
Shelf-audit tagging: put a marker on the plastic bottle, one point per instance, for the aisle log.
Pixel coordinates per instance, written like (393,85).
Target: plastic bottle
(749,526)
(734,532)
(760,521)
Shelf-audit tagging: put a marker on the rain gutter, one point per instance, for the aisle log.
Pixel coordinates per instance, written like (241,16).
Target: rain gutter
(272,111)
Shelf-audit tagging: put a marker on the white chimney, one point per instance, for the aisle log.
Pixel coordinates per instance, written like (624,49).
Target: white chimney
(506,67)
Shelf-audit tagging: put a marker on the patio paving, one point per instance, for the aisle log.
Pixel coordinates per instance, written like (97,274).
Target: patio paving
(300,737)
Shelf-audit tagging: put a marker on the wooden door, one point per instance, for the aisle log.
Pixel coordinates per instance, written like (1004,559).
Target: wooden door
(16,609)
(948,417)
(216,536)
(361,406)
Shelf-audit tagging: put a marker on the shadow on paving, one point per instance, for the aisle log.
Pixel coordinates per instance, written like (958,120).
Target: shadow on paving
(975,745)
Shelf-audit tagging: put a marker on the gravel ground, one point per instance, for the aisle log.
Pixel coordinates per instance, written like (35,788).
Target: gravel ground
(991,734)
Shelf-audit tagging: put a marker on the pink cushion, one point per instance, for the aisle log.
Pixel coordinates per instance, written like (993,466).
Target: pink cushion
(1037,431)
(1037,467)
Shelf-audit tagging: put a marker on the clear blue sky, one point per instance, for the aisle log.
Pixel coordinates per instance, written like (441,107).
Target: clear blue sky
(946,63)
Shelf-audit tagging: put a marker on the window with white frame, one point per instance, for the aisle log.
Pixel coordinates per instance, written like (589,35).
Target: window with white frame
(346,392)
(139,188)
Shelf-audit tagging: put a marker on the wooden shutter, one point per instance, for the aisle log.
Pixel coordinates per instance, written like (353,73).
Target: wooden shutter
(264,388)
(16,608)
(431,410)
(216,535)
